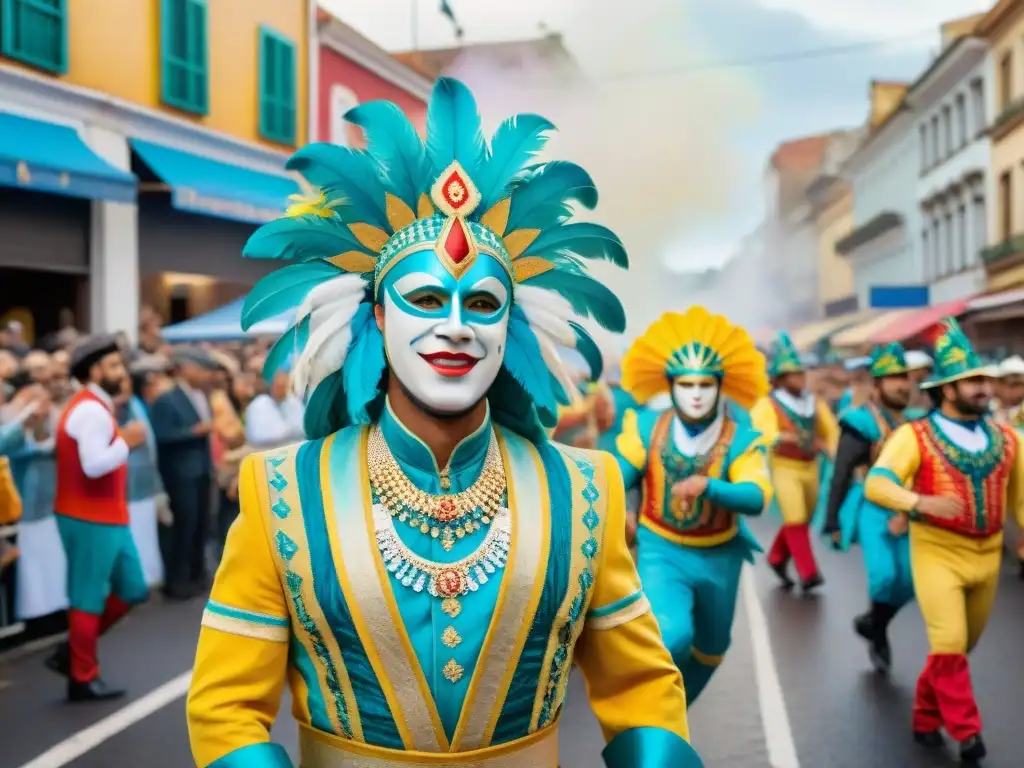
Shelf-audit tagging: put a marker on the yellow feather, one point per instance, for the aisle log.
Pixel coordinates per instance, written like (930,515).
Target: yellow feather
(425,208)
(398,212)
(496,219)
(374,238)
(644,365)
(354,261)
(518,241)
(531,266)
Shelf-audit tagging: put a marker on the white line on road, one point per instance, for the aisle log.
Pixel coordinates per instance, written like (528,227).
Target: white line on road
(75,746)
(778,735)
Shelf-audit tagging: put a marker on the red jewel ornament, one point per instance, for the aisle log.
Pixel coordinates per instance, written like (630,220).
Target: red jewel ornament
(450,582)
(456,244)
(446,511)
(455,190)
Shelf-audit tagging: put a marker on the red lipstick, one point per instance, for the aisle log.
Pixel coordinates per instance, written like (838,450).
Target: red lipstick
(451,364)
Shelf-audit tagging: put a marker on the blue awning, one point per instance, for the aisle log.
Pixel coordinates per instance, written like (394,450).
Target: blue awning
(47,157)
(224,324)
(212,188)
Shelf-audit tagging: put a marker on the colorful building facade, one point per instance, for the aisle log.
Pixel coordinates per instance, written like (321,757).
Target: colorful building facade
(142,141)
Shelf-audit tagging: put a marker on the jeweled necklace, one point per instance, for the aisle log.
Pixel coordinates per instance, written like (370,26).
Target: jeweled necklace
(448,517)
(447,581)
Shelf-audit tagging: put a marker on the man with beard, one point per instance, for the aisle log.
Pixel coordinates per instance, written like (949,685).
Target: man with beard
(700,472)
(950,478)
(850,518)
(105,576)
(427,568)
(800,428)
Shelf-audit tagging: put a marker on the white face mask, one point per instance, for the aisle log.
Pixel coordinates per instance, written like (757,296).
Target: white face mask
(695,399)
(445,339)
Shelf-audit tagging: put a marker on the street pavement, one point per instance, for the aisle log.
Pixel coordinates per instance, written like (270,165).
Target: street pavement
(827,706)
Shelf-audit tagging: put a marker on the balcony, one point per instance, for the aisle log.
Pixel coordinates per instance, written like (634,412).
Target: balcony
(1004,254)
(1011,116)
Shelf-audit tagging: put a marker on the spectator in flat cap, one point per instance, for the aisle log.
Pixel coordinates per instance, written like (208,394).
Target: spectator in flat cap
(182,422)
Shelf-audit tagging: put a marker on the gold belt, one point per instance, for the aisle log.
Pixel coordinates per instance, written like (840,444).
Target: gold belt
(323,750)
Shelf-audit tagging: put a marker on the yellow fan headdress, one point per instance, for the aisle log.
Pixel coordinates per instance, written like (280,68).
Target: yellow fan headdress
(695,343)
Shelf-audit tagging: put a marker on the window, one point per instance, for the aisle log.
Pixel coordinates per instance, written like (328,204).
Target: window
(925,160)
(278,113)
(961,238)
(926,253)
(949,241)
(935,140)
(936,246)
(947,132)
(342,100)
(1006,80)
(979,232)
(961,120)
(35,32)
(184,55)
(978,105)
(1005,205)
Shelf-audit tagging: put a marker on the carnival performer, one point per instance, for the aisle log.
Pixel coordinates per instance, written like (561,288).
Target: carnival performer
(700,472)
(105,577)
(800,428)
(951,478)
(851,518)
(1008,405)
(428,567)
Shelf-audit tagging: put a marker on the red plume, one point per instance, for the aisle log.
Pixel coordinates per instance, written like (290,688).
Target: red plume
(931,335)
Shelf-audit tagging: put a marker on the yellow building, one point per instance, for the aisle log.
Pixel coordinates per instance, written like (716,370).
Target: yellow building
(1003,27)
(834,222)
(140,138)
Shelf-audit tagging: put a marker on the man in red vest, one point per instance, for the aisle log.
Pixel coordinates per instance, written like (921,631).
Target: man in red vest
(105,577)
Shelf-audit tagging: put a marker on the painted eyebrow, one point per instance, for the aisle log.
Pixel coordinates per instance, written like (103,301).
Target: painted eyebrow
(416,281)
(491,285)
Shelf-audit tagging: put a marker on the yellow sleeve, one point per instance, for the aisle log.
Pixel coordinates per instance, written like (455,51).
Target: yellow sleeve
(751,466)
(896,466)
(765,420)
(1015,487)
(630,678)
(242,660)
(828,426)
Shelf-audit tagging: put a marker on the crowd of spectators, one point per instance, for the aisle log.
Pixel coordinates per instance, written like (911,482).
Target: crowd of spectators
(193,412)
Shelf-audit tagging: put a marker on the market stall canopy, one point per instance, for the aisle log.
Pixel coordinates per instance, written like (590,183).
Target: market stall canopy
(43,156)
(993,307)
(224,324)
(918,321)
(861,334)
(213,188)
(807,336)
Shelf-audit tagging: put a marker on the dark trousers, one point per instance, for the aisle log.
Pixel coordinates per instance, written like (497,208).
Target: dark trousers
(190,502)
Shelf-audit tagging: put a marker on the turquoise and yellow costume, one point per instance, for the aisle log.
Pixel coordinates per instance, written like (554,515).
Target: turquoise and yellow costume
(406,646)
(690,556)
(955,558)
(864,429)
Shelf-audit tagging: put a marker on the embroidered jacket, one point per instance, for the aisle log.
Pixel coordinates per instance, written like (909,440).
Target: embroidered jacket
(775,420)
(735,466)
(920,459)
(380,669)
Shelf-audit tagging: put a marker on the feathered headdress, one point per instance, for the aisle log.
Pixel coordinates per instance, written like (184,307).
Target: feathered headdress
(785,357)
(955,357)
(695,343)
(456,195)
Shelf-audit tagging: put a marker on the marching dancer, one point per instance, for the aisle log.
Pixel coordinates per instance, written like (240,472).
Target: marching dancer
(427,568)
(951,478)
(700,472)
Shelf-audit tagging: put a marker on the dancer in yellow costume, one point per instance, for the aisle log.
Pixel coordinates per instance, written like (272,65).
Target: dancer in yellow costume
(800,428)
(427,568)
(952,477)
(700,472)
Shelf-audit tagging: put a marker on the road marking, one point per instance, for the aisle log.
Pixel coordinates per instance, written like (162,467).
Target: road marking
(778,735)
(86,740)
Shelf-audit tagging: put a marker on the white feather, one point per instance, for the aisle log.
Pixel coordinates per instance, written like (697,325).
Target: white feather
(547,311)
(329,338)
(333,290)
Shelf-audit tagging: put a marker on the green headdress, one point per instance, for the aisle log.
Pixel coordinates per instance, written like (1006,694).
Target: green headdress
(785,357)
(955,358)
(888,360)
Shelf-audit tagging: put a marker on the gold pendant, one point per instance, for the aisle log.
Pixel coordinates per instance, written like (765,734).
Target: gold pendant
(450,637)
(451,606)
(447,540)
(453,671)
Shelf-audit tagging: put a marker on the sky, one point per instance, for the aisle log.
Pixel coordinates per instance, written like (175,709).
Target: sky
(686,103)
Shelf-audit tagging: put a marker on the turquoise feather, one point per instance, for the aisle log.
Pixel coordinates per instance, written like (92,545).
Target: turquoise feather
(302,237)
(544,198)
(346,174)
(325,409)
(524,361)
(364,366)
(590,351)
(453,129)
(280,355)
(284,289)
(512,408)
(396,147)
(516,142)
(587,296)
(590,241)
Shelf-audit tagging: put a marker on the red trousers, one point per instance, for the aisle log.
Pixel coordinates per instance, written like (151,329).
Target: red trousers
(945,697)
(84,630)
(794,542)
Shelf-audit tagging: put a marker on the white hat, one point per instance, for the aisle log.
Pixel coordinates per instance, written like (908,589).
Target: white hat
(1011,366)
(857,363)
(916,360)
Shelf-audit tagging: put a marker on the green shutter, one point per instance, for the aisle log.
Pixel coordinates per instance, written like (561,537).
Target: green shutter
(277,88)
(35,32)
(184,55)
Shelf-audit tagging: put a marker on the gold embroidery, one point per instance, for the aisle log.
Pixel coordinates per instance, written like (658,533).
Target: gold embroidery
(353,261)
(373,238)
(518,241)
(398,212)
(453,671)
(451,637)
(451,606)
(424,208)
(496,219)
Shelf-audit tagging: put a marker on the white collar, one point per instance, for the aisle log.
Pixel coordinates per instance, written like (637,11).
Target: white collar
(99,392)
(699,444)
(802,406)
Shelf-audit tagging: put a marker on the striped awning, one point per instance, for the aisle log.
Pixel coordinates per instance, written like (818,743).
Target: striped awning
(862,333)
(806,336)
